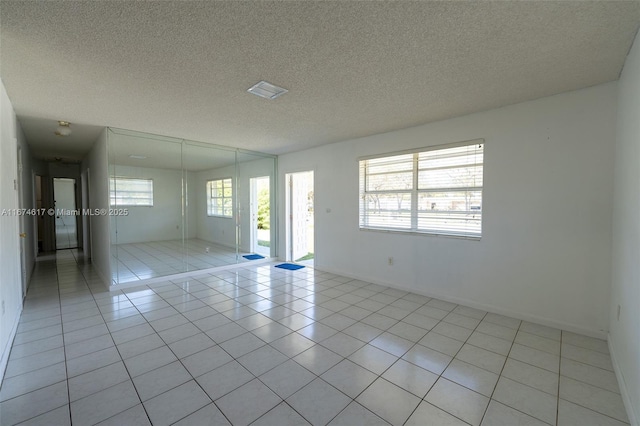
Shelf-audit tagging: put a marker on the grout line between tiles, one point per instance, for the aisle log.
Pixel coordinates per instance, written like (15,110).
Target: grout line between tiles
(247,281)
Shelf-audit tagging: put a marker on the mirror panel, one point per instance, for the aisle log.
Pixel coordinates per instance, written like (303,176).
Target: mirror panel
(256,175)
(183,206)
(210,173)
(147,230)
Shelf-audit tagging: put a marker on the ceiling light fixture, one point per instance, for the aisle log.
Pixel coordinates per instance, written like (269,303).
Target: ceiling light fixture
(264,89)
(64,128)
(138,157)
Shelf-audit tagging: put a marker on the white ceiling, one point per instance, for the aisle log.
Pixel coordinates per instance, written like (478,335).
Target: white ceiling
(352,68)
(39,132)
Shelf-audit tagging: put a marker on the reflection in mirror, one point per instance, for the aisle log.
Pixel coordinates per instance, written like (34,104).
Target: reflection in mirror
(210,211)
(255,199)
(146,194)
(183,206)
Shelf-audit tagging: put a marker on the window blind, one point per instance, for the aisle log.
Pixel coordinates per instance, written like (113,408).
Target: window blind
(435,190)
(124,191)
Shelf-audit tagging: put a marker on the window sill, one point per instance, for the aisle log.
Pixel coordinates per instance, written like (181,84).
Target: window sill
(423,233)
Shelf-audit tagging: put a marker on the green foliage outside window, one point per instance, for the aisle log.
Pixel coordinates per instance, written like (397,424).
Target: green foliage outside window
(264,210)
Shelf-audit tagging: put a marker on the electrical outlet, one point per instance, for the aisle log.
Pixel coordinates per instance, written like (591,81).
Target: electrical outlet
(391,260)
(618,315)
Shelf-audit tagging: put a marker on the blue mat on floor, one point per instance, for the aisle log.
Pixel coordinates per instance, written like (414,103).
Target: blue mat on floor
(253,256)
(289,266)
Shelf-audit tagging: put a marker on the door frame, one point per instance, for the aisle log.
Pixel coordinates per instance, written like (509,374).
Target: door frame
(289,199)
(86,222)
(36,218)
(56,208)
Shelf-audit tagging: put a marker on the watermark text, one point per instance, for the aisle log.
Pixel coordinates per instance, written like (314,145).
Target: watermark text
(64,212)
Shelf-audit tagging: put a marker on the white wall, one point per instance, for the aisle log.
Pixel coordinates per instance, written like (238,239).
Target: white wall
(97,163)
(624,334)
(545,250)
(161,222)
(10,282)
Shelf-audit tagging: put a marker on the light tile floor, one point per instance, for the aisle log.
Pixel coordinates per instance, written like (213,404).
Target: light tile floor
(140,261)
(263,346)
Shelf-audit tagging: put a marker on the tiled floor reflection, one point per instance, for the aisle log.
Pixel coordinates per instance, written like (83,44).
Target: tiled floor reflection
(264,346)
(66,236)
(140,261)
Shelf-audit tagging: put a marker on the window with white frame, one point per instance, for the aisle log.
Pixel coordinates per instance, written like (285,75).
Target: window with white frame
(436,190)
(126,191)
(219,197)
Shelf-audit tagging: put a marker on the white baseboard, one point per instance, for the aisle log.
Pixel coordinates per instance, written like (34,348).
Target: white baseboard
(634,417)
(599,334)
(7,349)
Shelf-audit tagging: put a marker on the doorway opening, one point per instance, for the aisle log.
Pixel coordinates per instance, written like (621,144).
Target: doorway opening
(261,216)
(64,192)
(300,217)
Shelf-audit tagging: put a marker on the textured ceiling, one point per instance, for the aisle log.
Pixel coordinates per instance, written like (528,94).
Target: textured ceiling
(44,144)
(352,68)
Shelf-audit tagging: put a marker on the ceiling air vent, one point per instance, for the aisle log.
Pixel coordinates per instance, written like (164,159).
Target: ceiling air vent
(267,90)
